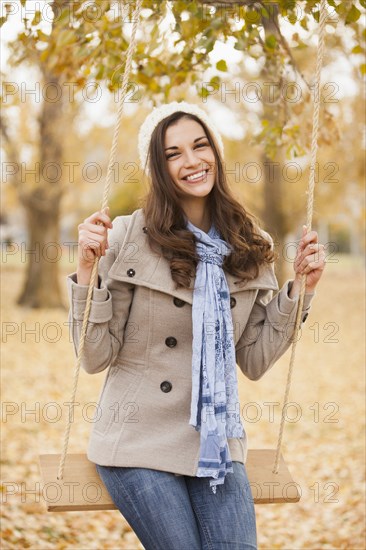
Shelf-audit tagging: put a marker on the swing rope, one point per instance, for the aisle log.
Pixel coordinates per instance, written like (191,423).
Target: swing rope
(130,51)
(309,213)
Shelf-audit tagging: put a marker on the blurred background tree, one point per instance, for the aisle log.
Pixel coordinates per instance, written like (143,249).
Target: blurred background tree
(73,46)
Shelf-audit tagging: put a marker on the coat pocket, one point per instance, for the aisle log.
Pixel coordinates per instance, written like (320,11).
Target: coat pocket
(117,389)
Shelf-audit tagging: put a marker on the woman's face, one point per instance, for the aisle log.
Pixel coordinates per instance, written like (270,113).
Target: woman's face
(190,158)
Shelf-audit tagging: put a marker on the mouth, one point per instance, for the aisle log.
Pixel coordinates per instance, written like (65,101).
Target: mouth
(196,176)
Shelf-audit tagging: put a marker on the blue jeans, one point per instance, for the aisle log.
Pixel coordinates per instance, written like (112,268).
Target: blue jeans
(169,512)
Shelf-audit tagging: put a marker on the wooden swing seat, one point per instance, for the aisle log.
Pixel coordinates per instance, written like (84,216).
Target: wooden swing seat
(81,488)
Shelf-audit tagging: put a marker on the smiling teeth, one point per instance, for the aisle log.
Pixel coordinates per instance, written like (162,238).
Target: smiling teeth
(196,176)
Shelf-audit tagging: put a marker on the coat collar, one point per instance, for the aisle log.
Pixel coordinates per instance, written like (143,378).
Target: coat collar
(152,270)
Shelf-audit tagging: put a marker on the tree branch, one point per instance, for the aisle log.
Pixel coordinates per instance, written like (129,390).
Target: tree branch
(10,149)
(255,4)
(289,53)
(231,2)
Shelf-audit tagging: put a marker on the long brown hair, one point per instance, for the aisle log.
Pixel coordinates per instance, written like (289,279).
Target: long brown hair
(166,219)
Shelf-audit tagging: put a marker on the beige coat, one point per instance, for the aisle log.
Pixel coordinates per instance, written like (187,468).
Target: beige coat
(141,328)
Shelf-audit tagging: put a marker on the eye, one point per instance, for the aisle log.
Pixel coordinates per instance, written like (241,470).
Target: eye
(205,144)
(202,144)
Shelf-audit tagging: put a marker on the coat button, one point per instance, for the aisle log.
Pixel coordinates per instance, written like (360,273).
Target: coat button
(144,229)
(171,342)
(232,301)
(131,272)
(166,386)
(305,317)
(178,302)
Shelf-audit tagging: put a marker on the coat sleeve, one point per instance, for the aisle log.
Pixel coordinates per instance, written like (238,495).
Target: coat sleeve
(109,310)
(269,330)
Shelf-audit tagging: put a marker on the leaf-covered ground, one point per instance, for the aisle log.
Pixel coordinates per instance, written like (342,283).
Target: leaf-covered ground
(324,448)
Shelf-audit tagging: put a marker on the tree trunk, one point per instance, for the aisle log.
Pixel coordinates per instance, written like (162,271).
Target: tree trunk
(273,212)
(42,205)
(273,194)
(43,254)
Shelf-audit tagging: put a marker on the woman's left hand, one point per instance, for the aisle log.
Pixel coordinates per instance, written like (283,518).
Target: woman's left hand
(310,259)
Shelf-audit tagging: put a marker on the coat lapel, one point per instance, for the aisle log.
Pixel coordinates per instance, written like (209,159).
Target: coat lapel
(137,264)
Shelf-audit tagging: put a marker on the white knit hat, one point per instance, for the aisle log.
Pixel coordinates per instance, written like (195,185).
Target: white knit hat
(159,113)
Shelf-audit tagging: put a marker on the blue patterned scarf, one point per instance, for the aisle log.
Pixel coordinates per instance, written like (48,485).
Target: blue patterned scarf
(215,410)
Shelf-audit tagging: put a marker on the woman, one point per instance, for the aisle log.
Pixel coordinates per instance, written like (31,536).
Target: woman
(184,293)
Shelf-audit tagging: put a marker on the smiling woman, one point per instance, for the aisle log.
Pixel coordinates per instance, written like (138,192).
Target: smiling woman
(185,293)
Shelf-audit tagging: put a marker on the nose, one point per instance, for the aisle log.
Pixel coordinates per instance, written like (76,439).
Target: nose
(191,158)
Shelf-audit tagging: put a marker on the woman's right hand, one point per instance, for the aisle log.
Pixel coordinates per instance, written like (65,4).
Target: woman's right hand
(92,242)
